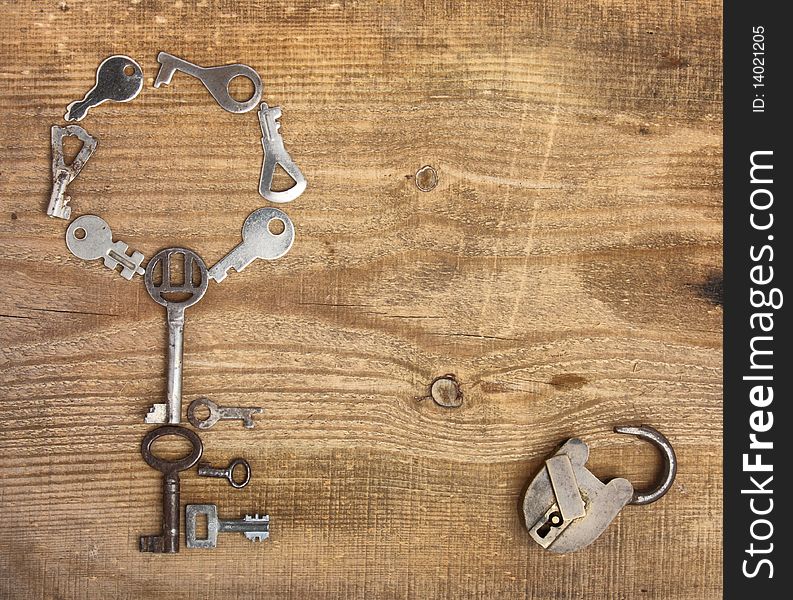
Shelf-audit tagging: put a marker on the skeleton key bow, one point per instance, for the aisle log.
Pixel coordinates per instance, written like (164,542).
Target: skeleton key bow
(566,507)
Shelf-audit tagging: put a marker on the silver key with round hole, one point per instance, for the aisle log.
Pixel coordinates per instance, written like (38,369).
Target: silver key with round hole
(175,297)
(215,79)
(89,237)
(217,413)
(258,241)
(118,78)
(255,528)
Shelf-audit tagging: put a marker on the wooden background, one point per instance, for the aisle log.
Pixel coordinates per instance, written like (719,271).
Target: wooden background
(566,270)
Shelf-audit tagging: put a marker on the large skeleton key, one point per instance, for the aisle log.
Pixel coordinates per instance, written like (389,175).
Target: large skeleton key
(89,237)
(258,241)
(118,78)
(215,79)
(168,540)
(175,297)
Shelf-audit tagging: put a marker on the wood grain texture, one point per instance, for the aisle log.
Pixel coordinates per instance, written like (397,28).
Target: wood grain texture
(566,270)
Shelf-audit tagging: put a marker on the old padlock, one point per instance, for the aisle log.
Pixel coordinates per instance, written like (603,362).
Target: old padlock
(566,507)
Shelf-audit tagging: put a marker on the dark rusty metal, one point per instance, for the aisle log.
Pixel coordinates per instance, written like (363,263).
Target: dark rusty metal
(168,540)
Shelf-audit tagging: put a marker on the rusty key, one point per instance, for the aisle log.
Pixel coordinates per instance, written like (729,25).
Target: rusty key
(168,540)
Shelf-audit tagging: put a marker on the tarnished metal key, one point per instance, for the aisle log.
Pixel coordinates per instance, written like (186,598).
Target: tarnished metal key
(207,470)
(89,237)
(118,78)
(175,297)
(63,174)
(255,528)
(258,241)
(216,413)
(215,79)
(168,540)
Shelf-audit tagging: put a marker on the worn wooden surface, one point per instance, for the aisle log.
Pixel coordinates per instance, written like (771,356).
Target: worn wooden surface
(566,270)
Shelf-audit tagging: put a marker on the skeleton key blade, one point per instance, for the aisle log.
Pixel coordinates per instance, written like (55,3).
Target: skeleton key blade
(118,78)
(167,294)
(96,241)
(255,528)
(215,79)
(258,241)
(216,413)
(275,154)
(63,174)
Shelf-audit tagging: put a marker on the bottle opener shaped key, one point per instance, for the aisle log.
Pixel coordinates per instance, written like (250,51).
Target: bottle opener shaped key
(275,154)
(566,507)
(63,174)
(215,79)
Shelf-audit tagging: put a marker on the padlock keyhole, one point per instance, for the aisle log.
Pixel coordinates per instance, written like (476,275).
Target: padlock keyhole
(554,520)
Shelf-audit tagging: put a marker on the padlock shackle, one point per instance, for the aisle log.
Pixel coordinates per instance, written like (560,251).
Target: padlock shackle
(657,439)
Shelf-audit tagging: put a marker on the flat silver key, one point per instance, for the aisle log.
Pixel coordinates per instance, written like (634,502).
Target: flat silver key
(215,79)
(255,528)
(89,237)
(275,154)
(118,78)
(258,241)
(175,297)
(218,413)
(63,174)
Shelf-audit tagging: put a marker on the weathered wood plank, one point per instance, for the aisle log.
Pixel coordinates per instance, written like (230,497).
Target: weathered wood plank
(566,270)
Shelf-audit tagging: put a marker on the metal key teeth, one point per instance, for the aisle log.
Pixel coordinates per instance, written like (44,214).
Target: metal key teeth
(136,258)
(258,536)
(157,414)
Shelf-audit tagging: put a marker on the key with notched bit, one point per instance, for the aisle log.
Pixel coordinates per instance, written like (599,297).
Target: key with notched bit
(96,241)
(118,78)
(258,241)
(168,540)
(216,413)
(175,297)
(254,528)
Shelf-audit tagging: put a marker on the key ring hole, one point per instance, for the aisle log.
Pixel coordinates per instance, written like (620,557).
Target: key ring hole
(199,404)
(80,233)
(241,88)
(201,412)
(175,459)
(239,477)
(172,448)
(129,70)
(276,226)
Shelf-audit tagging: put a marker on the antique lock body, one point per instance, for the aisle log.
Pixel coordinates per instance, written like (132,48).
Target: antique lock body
(566,507)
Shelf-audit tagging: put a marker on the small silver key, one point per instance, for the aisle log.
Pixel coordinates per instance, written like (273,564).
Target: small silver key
(258,241)
(255,528)
(63,174)
(217,413)
(118,78)
(275,154)
(207,470)
(89,237)
(175,297)
(215,79)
